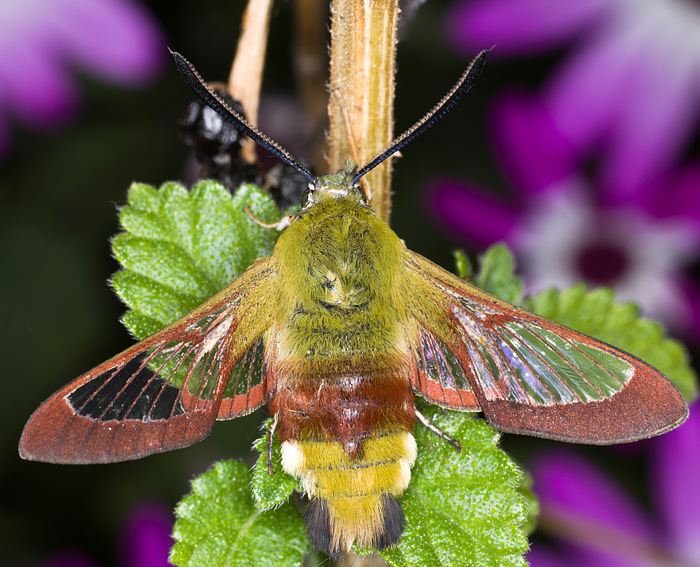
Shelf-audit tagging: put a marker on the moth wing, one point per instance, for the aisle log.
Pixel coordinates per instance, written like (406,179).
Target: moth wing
(440,374)
(249,383)
(166,391)
(530,375)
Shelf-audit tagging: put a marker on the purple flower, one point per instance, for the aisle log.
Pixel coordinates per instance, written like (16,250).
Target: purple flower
(42,41)
(144,541)
(596,522)
(631,89)
(566,228)
(145,538)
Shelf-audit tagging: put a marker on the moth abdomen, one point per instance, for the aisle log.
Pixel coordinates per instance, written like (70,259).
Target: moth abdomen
(318,524)
(330,529)
(348,409)
(347,437)
(353,499)
(394,522)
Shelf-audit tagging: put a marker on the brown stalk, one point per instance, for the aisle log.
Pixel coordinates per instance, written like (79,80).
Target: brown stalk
(361,105)
(245,78)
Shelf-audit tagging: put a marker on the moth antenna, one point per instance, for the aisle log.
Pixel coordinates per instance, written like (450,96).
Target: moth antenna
(447,103)
(214,101)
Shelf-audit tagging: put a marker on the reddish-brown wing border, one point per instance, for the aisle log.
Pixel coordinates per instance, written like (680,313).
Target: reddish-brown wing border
(648,405)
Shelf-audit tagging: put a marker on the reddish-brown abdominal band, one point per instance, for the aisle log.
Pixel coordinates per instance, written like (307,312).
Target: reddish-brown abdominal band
(346,409)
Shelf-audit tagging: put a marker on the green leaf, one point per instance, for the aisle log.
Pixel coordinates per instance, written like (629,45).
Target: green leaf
(463,265)
(180,247)
(270,490)
(531,503)
(217,523)
(260,239)
(462,508)
(596,313)
(497,274)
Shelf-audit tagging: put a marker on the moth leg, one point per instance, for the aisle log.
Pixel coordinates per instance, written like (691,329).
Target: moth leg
(280,225)
(271,437)
(439,432)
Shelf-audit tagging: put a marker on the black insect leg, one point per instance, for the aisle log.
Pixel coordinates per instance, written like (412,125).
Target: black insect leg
(439,432)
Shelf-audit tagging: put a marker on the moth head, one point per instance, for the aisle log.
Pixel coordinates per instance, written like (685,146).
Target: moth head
(339,185)
(346,182)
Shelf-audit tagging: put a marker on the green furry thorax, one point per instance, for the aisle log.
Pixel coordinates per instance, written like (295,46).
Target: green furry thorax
(340,271)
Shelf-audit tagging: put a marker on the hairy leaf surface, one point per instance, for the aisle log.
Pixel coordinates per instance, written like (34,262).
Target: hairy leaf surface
(497,274)
(179,247)
(217,523)
(270,490)
(462,508)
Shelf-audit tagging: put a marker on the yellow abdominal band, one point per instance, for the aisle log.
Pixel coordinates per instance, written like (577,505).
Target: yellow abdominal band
(353,490)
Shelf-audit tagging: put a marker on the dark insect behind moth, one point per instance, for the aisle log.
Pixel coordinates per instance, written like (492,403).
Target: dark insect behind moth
(336,332)
(216,146)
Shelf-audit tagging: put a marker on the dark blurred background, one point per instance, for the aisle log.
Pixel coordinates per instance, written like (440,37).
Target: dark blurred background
(62,178)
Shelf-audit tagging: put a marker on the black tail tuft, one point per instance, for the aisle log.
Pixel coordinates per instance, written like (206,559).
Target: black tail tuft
(318,524)
(393,522)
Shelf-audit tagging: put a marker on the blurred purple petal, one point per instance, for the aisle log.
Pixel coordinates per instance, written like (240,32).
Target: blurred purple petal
(653,126)
(676,194)
(684,197)
(540,556)
(585,95)
(41,39)
(628,93)
(676,474)
(517,27)
(596,519)
(113,38)
(564,481)
(34,87)
(469,213)
(568,556)
(145,539)
(535,154)
(691,297)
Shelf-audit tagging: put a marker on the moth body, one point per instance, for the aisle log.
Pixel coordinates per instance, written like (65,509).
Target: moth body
(343,398)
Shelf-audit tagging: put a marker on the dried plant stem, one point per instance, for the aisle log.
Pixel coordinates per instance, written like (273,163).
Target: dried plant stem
(361,105)
(245,78)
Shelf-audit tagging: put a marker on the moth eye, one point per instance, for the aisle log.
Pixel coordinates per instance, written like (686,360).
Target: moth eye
(307,196)
(361,191)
